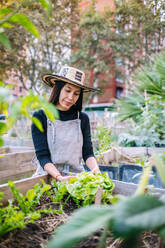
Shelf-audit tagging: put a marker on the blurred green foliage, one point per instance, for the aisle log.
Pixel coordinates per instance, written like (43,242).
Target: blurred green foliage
(8,18)
(145,106)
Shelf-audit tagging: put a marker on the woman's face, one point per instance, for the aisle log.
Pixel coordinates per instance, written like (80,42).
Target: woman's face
(68,97)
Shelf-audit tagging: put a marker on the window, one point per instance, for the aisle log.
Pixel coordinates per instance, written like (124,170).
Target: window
(119,77)
(119,91)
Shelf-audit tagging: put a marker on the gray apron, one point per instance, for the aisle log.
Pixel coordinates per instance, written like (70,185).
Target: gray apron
(65,143)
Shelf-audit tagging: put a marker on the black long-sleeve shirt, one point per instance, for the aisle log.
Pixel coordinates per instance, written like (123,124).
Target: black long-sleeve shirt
(40,138)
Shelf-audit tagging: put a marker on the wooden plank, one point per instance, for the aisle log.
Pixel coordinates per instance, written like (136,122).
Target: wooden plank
(124,188)
(23,185)
(13,160)
(128,189)
(98,196)
(126,153)
(23,169)
(16,163)
(4,149)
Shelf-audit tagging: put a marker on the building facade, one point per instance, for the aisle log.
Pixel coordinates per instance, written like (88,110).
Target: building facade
(115,87)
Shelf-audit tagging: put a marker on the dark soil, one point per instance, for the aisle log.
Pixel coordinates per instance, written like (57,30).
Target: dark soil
(37,235)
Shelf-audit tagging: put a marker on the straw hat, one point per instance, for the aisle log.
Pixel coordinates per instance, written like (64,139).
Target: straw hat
(69,75)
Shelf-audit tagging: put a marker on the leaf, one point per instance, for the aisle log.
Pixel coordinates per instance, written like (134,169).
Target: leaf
(38,123)
(136,214)
(160,165)
(47,5)
(44,3)
(144,180)
(26,23)
(1,84)
(7,25)
(162,233)
(1,195)
(151,219)
(3,128)
(30,195)
(51,111)
(5,41)
(84,222)
(1,141)
(5,11)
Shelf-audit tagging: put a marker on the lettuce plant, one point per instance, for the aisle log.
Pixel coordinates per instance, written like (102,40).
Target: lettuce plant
(84,187)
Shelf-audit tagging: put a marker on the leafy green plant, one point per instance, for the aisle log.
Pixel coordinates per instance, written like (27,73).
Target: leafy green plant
(11,218)
(130,106)
(144,107)
(59,190)
(127,219)
(84,187)
(149,128)
(29,201)
(102,138)
(24,209)
(150,78)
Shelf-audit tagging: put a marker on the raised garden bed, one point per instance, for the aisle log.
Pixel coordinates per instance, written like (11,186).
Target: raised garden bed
(37,234)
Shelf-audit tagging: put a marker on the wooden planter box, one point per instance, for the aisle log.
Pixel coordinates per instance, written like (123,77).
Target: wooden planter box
(126,154)
(17,142)
(122,188)
(14,149)
(15,165)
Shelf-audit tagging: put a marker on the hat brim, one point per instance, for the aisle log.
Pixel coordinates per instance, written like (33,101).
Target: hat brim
(51,79)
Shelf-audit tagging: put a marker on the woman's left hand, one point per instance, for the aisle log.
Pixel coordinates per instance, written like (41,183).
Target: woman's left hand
(92,165)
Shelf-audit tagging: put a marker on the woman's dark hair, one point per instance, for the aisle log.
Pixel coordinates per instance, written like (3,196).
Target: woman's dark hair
(54,97)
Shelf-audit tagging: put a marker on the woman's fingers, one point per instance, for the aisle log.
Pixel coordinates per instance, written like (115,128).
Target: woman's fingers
(65,179)
(96,170)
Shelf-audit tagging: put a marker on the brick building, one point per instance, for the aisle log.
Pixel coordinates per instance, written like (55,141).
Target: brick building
(115,87)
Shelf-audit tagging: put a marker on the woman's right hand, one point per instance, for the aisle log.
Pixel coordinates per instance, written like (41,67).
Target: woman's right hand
(65,179)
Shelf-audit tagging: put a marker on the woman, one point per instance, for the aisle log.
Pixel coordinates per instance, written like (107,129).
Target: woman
(65,142)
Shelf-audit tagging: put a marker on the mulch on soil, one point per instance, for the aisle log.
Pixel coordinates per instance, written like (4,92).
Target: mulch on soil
(38,234)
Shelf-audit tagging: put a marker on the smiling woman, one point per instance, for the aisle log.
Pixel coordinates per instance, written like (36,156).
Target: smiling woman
(68,97)
(65,142)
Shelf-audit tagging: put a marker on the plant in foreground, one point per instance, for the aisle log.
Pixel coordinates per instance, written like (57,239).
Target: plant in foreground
(126,219)
(24,106)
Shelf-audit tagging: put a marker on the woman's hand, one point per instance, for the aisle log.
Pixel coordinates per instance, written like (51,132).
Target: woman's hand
(92,165)
(96,170)
(65,179)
